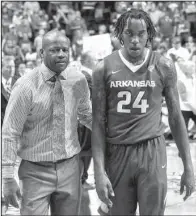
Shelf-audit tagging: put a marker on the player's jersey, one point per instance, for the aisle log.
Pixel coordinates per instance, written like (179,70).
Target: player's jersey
(134,100)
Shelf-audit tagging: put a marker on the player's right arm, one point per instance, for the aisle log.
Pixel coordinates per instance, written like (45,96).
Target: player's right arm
(103,185)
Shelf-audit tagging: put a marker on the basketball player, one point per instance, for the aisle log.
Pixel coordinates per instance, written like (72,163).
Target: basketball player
(127,137)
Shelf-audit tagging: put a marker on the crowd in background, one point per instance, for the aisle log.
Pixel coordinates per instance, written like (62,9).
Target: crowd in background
(25,23)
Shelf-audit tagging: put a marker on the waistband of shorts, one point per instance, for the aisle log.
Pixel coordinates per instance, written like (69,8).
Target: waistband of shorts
(143,142)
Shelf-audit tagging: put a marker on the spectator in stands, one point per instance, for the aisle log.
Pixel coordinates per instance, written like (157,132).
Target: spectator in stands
(36,21)
(154,12)
(166,25)
(139,5)
(99,13)
(25,43)
(38,41)
(187,89)
(7,14)
(87,12)
(77,27)
(156,42)
(54,22)
(12,49)
(191,46)
(178,50)
(21,69)
(25,47)
(186,80)
(102,29)
(120,8)
(190,10)
(31,55)
(10,35)
(31,6)
(8,71)
(44,25)
(17,17)
(75,24)
(30,65)
(24,29)
(182,27)
(162,49)
(77,49)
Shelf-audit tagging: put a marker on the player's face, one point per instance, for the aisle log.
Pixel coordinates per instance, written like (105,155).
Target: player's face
(135,37)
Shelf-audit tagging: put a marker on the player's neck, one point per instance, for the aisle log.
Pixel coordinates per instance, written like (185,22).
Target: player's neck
(137,60)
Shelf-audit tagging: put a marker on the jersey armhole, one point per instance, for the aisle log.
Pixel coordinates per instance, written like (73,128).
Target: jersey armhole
(158,59)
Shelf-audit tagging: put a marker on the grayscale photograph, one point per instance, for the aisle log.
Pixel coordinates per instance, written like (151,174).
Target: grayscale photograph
(98,108)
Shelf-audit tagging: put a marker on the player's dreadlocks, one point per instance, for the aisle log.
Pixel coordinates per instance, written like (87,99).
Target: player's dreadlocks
(136,14)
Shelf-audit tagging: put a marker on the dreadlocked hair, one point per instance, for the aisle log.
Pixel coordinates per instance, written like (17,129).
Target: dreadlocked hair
(136,14)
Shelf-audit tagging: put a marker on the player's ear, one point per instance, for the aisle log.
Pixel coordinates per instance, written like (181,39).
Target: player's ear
(121,41)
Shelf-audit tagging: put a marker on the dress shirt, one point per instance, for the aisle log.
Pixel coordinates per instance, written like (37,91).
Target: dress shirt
(28,123)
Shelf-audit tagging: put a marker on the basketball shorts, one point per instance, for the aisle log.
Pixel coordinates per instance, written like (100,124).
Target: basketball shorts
(138,176)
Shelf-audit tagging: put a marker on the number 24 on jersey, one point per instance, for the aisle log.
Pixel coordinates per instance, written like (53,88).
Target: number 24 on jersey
(138,103)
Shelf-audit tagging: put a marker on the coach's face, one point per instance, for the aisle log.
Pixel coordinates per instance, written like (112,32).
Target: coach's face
(135,37)
(56,53)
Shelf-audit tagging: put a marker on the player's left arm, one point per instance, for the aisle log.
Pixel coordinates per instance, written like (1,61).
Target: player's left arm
(177,125)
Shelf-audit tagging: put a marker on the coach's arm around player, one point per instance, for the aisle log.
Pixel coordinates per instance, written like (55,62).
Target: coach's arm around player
(177,125)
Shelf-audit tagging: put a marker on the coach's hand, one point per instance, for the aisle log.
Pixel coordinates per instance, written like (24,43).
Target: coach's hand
(11,192)
(188,181)
(104,189)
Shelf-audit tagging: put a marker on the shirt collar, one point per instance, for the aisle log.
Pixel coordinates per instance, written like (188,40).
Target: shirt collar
(48,74)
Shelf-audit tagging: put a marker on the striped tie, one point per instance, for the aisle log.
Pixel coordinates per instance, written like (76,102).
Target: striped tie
(58,135)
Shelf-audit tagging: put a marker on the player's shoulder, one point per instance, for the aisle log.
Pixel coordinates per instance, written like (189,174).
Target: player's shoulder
(168,71)
(102,65)
(165,63)
(112,55)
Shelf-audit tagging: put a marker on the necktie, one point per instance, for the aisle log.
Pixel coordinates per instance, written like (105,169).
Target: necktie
(58,119)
